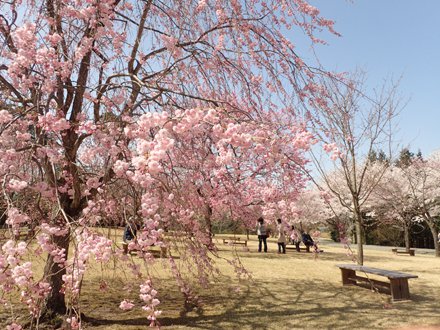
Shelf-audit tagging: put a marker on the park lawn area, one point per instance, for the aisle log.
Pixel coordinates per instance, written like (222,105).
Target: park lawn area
(292,291)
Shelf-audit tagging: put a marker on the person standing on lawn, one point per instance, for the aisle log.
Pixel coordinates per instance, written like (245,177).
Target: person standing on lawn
(262,234)
(281,237)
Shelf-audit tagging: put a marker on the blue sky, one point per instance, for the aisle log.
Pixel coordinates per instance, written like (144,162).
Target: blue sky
(391,38)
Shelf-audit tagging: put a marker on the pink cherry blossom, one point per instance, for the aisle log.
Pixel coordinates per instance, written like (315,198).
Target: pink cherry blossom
(126,305)
(170,116)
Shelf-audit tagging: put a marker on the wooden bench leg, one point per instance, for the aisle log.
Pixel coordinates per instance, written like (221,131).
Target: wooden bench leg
(346,275)
(125,248)
(399,289)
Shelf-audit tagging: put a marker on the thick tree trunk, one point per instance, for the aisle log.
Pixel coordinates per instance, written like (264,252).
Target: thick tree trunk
(53,273)
(431,224)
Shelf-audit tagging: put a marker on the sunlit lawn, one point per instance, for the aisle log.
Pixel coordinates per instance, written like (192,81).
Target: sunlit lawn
(289,291)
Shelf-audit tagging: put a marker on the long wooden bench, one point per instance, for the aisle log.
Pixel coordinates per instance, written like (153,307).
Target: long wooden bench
(411,252)
(162,253)
(397,285)
(234,241)
(293,247)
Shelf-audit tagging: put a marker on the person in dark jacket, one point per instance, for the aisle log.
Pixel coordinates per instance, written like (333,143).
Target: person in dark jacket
(130,232)
(307,240)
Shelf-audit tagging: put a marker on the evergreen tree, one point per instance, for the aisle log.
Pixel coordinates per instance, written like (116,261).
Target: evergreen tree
(372,156)
(405,159)
(382,157)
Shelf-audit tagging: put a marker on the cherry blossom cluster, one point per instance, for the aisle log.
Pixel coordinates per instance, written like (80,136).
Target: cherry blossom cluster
(88,243)
(176,115)
(148,296)
(15,273)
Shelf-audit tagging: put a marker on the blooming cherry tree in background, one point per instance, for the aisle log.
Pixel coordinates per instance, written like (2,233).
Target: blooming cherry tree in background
(409,193)
(187,108)
(423,180)
(312,208)
(392,203)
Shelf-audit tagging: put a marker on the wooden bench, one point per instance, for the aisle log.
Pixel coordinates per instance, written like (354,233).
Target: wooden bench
(175,234)
(163,253)
(234,241)
(397,285)
(411,252)
(293,247)
(23,233)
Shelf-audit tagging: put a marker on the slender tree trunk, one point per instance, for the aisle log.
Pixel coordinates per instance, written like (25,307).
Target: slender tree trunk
(406,235)
(53,272)
(360,246)
(208,224)
(359,232)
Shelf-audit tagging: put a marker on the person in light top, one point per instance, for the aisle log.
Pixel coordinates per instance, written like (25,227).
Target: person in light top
(262,234)
(295,238)
(281,237)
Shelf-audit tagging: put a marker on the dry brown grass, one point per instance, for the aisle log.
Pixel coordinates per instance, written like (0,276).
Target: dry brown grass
(293,291)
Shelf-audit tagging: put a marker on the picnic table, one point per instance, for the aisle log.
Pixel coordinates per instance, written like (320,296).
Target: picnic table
(397,285)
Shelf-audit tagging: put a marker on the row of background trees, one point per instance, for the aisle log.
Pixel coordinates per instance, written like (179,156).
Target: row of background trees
(389,220)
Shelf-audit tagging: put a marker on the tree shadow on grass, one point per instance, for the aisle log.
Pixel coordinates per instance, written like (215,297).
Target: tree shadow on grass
(275,303)
(268,305)
(295,303)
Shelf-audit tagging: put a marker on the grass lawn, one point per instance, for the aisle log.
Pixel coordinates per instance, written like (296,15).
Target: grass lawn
(292,291)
